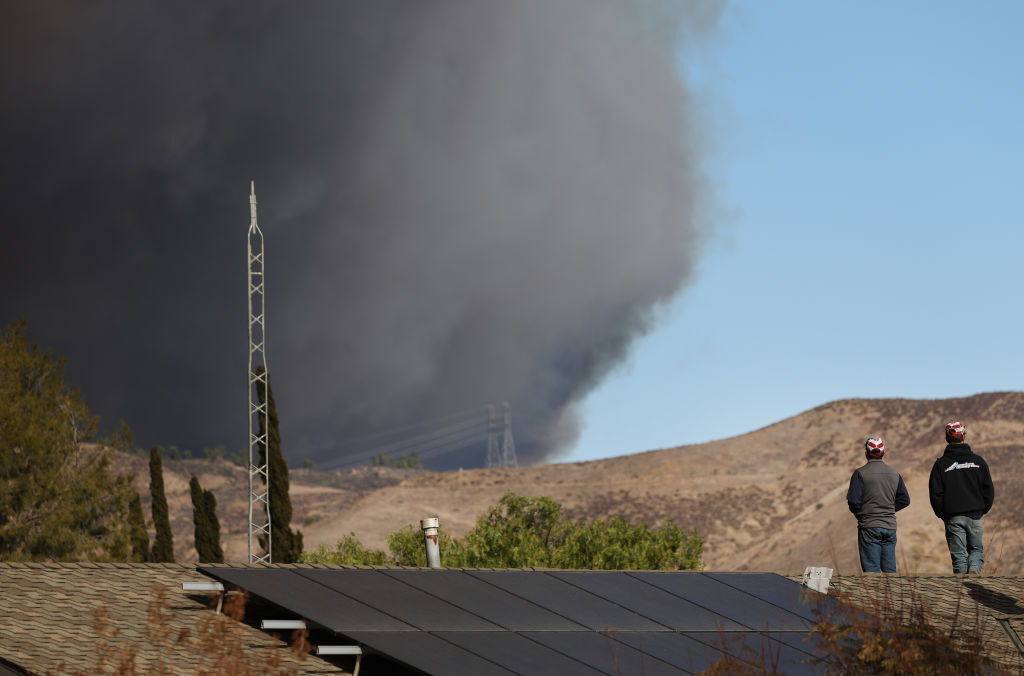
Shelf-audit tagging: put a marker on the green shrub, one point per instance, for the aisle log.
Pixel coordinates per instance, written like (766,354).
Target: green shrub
(522,532)
(348,551)
(615,545)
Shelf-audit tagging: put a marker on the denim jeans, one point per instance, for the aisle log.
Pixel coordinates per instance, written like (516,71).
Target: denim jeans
(877,547)
(963,535)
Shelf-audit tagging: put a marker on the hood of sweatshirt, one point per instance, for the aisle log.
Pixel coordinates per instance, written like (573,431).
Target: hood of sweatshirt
(957,450)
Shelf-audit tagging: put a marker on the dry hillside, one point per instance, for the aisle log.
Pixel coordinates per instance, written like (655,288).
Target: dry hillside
(773,499)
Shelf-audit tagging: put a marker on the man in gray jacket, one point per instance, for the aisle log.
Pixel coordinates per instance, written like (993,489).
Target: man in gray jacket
(876,493)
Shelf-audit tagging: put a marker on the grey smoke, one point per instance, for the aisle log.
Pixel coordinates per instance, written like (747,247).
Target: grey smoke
(463,203)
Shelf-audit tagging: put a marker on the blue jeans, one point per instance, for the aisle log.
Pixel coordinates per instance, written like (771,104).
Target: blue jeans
(877,547)
(963,535)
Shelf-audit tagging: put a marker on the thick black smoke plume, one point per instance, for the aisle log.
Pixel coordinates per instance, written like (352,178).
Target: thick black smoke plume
(463,203)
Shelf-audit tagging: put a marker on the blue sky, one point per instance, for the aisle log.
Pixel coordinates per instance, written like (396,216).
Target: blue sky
(866,161)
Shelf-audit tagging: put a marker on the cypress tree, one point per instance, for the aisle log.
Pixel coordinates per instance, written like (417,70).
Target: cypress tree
(163,544)
(204,515)
(202,531)
(137,529)
(210,504)
(286,544)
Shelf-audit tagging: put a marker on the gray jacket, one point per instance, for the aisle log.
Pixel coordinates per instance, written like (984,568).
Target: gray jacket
(876,493)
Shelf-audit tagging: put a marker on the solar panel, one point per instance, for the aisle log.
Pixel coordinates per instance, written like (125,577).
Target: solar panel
(567,600)
(805,642)
(647,600)
(518,653)
(428,653)
(306,598)
(779,591)
(484,599)
(601,651)
(398,599)
(727,601)
(550,622)
(677,649)
(761,649)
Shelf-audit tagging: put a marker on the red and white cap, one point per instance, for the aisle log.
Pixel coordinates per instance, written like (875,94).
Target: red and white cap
(875,446)
(955,427)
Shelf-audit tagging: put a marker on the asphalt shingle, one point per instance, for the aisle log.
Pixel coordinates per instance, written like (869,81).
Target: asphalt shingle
(89,617)
(991,607)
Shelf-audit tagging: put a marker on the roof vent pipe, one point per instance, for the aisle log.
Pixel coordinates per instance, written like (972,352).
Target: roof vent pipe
(429,527)
(817,578)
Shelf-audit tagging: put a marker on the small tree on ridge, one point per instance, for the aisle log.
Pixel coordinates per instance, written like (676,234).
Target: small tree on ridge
(137,530)
(163,543)
(204,515)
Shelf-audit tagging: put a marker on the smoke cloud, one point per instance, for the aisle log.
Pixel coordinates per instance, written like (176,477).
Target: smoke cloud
(463,203)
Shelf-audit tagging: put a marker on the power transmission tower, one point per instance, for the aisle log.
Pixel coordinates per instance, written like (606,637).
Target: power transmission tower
(259,496)
(493,455)
(508,444)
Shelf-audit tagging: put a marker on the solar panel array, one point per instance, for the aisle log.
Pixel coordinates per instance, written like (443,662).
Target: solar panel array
(550,622)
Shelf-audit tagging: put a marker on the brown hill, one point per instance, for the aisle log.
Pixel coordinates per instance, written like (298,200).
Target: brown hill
(773,499)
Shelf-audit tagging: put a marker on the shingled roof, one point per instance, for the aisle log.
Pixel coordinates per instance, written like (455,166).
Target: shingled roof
(88,617)
(992,607)
(71,618)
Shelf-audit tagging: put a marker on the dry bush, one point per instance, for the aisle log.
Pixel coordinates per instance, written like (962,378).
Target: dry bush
(897,635)
(894,635)
(212,646)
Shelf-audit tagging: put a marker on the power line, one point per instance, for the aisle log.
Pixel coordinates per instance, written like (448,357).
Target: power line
(395,430)
(432,438)
(426,435)
(453,445)
(436,440)
(427,440)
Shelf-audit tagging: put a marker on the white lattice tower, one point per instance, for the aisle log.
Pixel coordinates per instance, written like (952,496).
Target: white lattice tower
(259,476)
(508,444)
(493,454)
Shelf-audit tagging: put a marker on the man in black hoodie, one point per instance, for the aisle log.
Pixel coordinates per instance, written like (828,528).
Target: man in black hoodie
(961,492)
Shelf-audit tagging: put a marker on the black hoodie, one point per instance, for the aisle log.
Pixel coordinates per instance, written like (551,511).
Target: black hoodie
(960,484)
